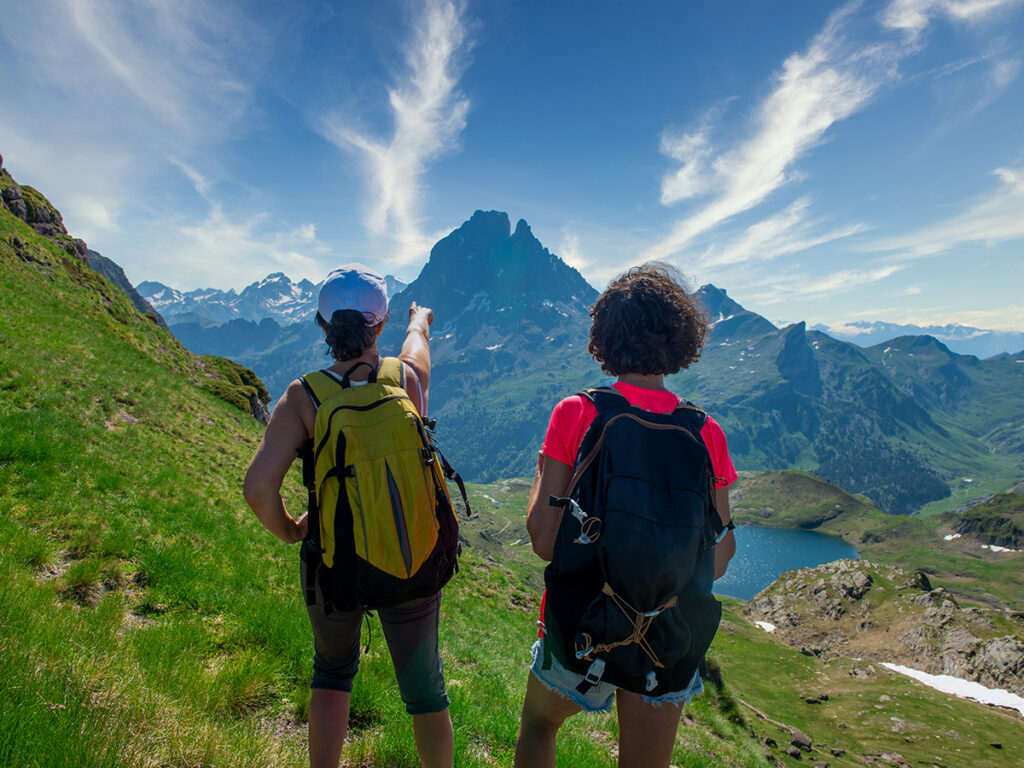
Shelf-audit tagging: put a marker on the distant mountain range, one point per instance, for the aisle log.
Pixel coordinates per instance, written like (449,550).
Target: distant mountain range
(901,421)
(962,339)
(275,297)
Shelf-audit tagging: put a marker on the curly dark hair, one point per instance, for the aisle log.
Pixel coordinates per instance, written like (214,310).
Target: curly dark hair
(348,334)
(646,323)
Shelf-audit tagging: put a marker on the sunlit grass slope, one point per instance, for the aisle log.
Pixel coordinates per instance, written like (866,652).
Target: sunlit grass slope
(146,619)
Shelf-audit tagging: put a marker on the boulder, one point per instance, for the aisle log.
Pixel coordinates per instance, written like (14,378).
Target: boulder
(18,208)
(801,741)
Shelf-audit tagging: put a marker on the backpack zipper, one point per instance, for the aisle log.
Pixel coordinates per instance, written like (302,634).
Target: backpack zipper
(399,516)
(327,431)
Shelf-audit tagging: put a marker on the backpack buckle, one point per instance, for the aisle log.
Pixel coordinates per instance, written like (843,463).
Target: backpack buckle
(652,681)
(593,676)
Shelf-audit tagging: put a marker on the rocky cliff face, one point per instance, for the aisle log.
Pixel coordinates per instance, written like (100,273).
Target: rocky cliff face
(863,610)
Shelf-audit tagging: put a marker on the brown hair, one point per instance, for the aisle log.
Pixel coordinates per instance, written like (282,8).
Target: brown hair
(645,322)
(348,333)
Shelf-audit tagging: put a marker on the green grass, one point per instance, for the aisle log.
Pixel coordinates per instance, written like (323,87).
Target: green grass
(146,619)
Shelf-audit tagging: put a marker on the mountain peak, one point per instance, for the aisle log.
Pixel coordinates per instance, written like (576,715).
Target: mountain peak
(728,318)
(491,222)
(483,280)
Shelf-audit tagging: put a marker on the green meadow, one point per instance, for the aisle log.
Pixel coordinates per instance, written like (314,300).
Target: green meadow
(146,618)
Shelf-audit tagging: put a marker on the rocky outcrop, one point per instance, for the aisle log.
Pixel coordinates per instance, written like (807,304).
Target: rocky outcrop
(795,361)
(859,609)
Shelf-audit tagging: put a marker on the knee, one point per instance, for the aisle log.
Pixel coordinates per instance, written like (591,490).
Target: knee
(541,722)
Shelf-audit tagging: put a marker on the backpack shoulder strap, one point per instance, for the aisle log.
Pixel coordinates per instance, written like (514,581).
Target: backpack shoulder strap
(605,398)
(391,372)
(320,385)
(691,412)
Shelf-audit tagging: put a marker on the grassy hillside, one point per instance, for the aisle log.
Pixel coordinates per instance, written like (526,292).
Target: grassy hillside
(146,619)
(145,616)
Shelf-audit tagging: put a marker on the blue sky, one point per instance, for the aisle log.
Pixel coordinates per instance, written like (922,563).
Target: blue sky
(822,161)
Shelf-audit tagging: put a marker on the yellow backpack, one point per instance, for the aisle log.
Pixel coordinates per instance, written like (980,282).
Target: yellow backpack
(382,528)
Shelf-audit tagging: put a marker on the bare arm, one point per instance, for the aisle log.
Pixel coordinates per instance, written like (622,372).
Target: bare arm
(416,348)
(725,548)
(551,479)
(286,431)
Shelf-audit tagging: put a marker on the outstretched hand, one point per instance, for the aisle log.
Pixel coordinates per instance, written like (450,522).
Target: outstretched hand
(420,314)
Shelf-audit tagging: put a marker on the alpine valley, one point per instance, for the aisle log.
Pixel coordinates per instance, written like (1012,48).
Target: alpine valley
(147,619)
(907,423)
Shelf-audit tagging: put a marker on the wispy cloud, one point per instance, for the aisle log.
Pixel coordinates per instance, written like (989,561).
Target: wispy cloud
(230,249)
(787,232)
(828,82)
(803,287)
(122,87)
(212,251)
(992,218)
(569,250)
(834,78)
(429,114)
(913,16)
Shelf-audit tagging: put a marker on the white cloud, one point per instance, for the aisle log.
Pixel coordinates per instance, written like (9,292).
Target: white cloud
(1005,318)
(569,250)
(815,89)
(122,87)
(993,218)
(224,251)
(913,16)
(784,233)
(429,115)
(834,78)
(802,287)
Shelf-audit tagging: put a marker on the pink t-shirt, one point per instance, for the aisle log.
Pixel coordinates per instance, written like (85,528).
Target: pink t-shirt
(573,415)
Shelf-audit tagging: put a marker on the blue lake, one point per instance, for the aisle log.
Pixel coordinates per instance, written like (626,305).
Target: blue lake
(764,553)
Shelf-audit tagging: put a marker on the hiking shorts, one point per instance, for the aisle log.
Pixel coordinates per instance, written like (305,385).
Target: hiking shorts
(599,697)
(410,630)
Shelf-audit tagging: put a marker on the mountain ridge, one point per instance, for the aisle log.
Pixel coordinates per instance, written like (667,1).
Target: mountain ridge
(899,422)
(963,339)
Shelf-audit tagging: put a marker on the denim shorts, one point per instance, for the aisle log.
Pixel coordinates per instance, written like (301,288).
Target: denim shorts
(599,697)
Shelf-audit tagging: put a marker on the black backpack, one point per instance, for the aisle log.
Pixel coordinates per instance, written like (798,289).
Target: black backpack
(629,585)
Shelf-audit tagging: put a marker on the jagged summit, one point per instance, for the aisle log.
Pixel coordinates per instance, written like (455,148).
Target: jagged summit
(502,269)
(729,318)
(497,289)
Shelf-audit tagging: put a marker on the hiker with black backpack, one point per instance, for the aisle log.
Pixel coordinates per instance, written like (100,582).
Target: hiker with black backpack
(630,507)
(380,531)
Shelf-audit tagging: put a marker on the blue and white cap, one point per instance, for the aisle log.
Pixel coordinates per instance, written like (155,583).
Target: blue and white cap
(354,286)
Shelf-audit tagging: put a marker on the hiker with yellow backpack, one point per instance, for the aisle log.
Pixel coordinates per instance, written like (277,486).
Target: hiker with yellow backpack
(380,531)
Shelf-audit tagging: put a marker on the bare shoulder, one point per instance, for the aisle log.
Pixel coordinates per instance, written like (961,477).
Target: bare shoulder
(295,403)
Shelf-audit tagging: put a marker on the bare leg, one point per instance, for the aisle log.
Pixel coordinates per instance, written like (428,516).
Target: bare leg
(544,711)
(328,724)
(416,347)
(647,732)
(435,740)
